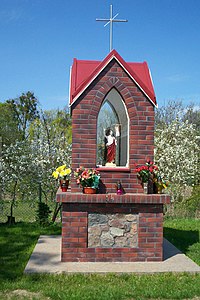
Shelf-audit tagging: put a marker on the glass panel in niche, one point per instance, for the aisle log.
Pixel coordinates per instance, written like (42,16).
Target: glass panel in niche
(112,132)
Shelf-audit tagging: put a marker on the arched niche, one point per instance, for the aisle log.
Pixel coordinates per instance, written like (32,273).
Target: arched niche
(113,117)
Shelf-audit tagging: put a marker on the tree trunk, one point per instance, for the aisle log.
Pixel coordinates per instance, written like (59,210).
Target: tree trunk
(56,211)
(11,220)
(13,200)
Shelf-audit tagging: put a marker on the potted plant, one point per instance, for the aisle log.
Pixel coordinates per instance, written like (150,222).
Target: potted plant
(88,179)
(63,174)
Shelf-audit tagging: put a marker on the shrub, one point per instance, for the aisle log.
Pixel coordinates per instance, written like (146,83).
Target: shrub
(42,214)
(186,207)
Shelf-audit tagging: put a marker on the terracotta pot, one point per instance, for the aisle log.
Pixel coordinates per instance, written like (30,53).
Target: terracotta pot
(89,190)
(64,183)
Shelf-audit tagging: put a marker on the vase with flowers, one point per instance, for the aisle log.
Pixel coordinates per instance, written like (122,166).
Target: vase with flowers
(146,174)
(88,179)
(63,174)
(160,183)
(151,178)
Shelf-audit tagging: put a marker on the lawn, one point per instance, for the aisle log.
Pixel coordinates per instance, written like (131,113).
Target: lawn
(185,235)
(18,241)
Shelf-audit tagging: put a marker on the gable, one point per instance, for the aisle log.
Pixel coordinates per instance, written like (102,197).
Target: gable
(84,72)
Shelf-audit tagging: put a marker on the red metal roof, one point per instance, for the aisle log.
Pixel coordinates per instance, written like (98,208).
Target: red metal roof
(85,71)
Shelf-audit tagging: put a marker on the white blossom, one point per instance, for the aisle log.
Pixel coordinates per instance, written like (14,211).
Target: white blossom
(177,152)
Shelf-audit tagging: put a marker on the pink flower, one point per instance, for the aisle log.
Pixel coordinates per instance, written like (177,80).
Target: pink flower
(85,174)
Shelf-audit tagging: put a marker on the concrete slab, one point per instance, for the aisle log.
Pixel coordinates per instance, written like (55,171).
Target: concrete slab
(46,259)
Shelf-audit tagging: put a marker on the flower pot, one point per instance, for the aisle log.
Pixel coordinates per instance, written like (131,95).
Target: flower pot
(64,183)
(89,190)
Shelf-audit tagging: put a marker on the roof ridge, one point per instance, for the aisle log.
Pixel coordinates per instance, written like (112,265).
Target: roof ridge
(89,74)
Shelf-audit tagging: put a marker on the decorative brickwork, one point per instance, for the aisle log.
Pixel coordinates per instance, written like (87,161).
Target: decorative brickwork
(84,122)
(75,227)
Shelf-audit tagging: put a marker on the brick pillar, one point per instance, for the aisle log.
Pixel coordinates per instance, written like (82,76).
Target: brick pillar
(151,234)
(74,234)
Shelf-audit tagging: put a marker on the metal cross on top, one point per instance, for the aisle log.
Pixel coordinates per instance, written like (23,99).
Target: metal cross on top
(111,20)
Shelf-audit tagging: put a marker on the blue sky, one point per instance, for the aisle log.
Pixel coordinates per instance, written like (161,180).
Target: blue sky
(40,38)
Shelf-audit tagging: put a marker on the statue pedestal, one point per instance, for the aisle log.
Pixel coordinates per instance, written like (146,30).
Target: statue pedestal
(112,228)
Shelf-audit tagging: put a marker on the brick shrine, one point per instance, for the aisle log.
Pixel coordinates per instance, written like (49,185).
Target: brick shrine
(124,90)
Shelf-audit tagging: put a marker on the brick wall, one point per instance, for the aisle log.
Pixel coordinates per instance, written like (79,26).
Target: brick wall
(75,234)
(75,226)
(84,121)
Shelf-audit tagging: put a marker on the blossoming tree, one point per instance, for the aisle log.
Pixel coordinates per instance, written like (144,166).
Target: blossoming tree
(177,152)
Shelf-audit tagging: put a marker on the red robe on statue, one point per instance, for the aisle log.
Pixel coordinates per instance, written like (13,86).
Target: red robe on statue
(111,151)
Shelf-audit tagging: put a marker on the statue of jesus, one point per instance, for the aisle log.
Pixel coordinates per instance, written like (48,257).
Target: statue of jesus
(110,147)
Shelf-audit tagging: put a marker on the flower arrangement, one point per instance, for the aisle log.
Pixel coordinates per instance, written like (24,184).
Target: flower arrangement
(146,171)
(87,177)
(160,182)
(62,173)
(150,171)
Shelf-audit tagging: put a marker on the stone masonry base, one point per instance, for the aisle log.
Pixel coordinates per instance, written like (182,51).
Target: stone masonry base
(147,228)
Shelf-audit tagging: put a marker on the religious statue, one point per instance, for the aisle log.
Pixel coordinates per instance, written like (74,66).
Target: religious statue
(110,146)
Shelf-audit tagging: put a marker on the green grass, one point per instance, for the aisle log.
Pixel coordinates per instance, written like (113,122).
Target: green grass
(185,235)
(111,287)
(16,245)
(18,241)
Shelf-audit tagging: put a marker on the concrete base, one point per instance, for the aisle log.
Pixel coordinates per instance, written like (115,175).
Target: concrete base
(46,258)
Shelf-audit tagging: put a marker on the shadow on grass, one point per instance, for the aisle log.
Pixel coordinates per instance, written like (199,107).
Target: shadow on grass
(16,245)
(182,239)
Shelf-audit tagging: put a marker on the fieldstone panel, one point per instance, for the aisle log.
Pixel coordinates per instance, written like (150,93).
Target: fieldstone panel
(112,230)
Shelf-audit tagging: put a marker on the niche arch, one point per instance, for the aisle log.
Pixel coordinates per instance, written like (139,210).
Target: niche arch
(113,115)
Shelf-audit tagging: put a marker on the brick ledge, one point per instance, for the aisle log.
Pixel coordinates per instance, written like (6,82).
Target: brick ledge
(112,198)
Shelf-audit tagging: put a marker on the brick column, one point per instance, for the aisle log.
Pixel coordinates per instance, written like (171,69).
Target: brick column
(150,233)
(74,234)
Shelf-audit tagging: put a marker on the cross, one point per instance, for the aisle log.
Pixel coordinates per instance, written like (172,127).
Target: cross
(111,20)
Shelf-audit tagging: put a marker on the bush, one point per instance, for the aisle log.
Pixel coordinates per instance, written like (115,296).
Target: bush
(42,214)
(192,204)
(186,207)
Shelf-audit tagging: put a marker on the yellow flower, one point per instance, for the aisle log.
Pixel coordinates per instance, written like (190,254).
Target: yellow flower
(55,174)
(68,171)
(61,168)
(62,172)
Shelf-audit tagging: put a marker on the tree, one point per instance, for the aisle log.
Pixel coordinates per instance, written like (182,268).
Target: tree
(29,163)
(17,171)
(24,111)
(8,125)
(192,115)
(49,141)
(165,115)
(174,110)
(177,152)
